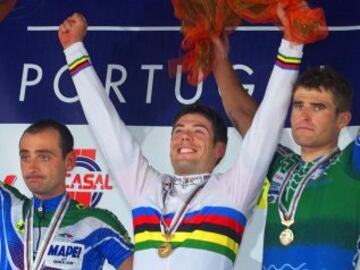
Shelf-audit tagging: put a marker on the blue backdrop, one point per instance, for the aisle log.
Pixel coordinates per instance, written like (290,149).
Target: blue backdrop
(130,43)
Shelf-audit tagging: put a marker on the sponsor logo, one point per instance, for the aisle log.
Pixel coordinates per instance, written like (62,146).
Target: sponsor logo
(65,251)
(87,182)
(63,255)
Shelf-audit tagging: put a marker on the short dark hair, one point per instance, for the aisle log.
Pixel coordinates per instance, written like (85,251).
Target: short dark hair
(324,78)
(66,138)
(217,122)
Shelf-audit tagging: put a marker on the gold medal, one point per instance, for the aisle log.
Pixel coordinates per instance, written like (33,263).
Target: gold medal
(165,249)
(168,231)
(286,237)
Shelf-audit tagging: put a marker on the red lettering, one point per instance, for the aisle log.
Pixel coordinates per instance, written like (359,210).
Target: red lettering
(107,184)
(68,177)
(77,181)
(89,181)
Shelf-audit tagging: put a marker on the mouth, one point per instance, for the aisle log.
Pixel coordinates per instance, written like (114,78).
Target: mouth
(34,178)
(304,128)
(185,150)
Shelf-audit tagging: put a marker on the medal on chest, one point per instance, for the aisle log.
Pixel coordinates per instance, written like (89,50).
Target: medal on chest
(291,191)
(165,249)
(286,236)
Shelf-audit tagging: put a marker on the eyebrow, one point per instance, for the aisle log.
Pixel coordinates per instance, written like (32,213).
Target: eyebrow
(196,126)
(311,103)
(178,125)
(318,103)
(201,126)
(40,151)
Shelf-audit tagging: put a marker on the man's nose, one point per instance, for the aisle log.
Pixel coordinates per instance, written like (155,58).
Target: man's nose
(305,114)
(32,165)
(186,135)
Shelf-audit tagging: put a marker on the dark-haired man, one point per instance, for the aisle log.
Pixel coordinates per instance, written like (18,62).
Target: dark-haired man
(313,219)
(194,219)
(51,230)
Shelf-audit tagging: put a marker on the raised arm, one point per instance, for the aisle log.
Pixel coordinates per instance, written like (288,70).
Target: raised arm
(122,153)
(240,107)
(260,141)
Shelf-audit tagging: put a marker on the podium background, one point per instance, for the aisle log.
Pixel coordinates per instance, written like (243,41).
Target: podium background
(130,43)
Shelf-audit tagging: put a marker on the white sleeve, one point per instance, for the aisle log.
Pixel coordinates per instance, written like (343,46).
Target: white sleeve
(245,178)
(122,154)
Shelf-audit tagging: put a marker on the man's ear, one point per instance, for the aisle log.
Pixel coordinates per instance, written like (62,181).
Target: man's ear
(70,161)
(343,119)
(220,148)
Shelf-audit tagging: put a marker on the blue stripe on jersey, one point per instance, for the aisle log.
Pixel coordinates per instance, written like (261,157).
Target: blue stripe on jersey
(147,211)
(110,242)
(208,210)
(11,244)
(104,233)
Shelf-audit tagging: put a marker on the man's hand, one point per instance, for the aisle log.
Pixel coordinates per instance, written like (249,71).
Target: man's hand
(72,30)
(238,104)
(221,49)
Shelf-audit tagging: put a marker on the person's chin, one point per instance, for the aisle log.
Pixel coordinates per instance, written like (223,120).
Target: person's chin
(303,135)
(305,141)
(185,166)
(34,186)
(32,183)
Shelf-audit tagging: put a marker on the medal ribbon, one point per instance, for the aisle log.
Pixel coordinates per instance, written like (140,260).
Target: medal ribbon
(289,215)
(29,263)
(180,212)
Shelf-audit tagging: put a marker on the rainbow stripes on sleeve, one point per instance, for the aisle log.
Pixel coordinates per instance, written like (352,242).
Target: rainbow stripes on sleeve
(79,64)
(215,229)
(286,62)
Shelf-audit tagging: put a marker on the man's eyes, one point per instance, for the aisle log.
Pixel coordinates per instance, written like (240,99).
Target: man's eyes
(24,157)
(44,157)
(318,107)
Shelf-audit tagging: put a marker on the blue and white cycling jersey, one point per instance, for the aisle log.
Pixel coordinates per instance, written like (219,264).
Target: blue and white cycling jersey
(85,238)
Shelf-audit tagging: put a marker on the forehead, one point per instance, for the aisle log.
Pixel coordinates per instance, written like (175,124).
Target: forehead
(45,139)
(316,95)
(193,119)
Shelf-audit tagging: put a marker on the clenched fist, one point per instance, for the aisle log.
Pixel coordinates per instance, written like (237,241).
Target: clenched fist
(73,29)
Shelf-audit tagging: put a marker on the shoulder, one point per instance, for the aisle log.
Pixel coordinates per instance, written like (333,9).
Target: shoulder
(349,159)
(99,217)
(13,191)
(284,158)
(283,153)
